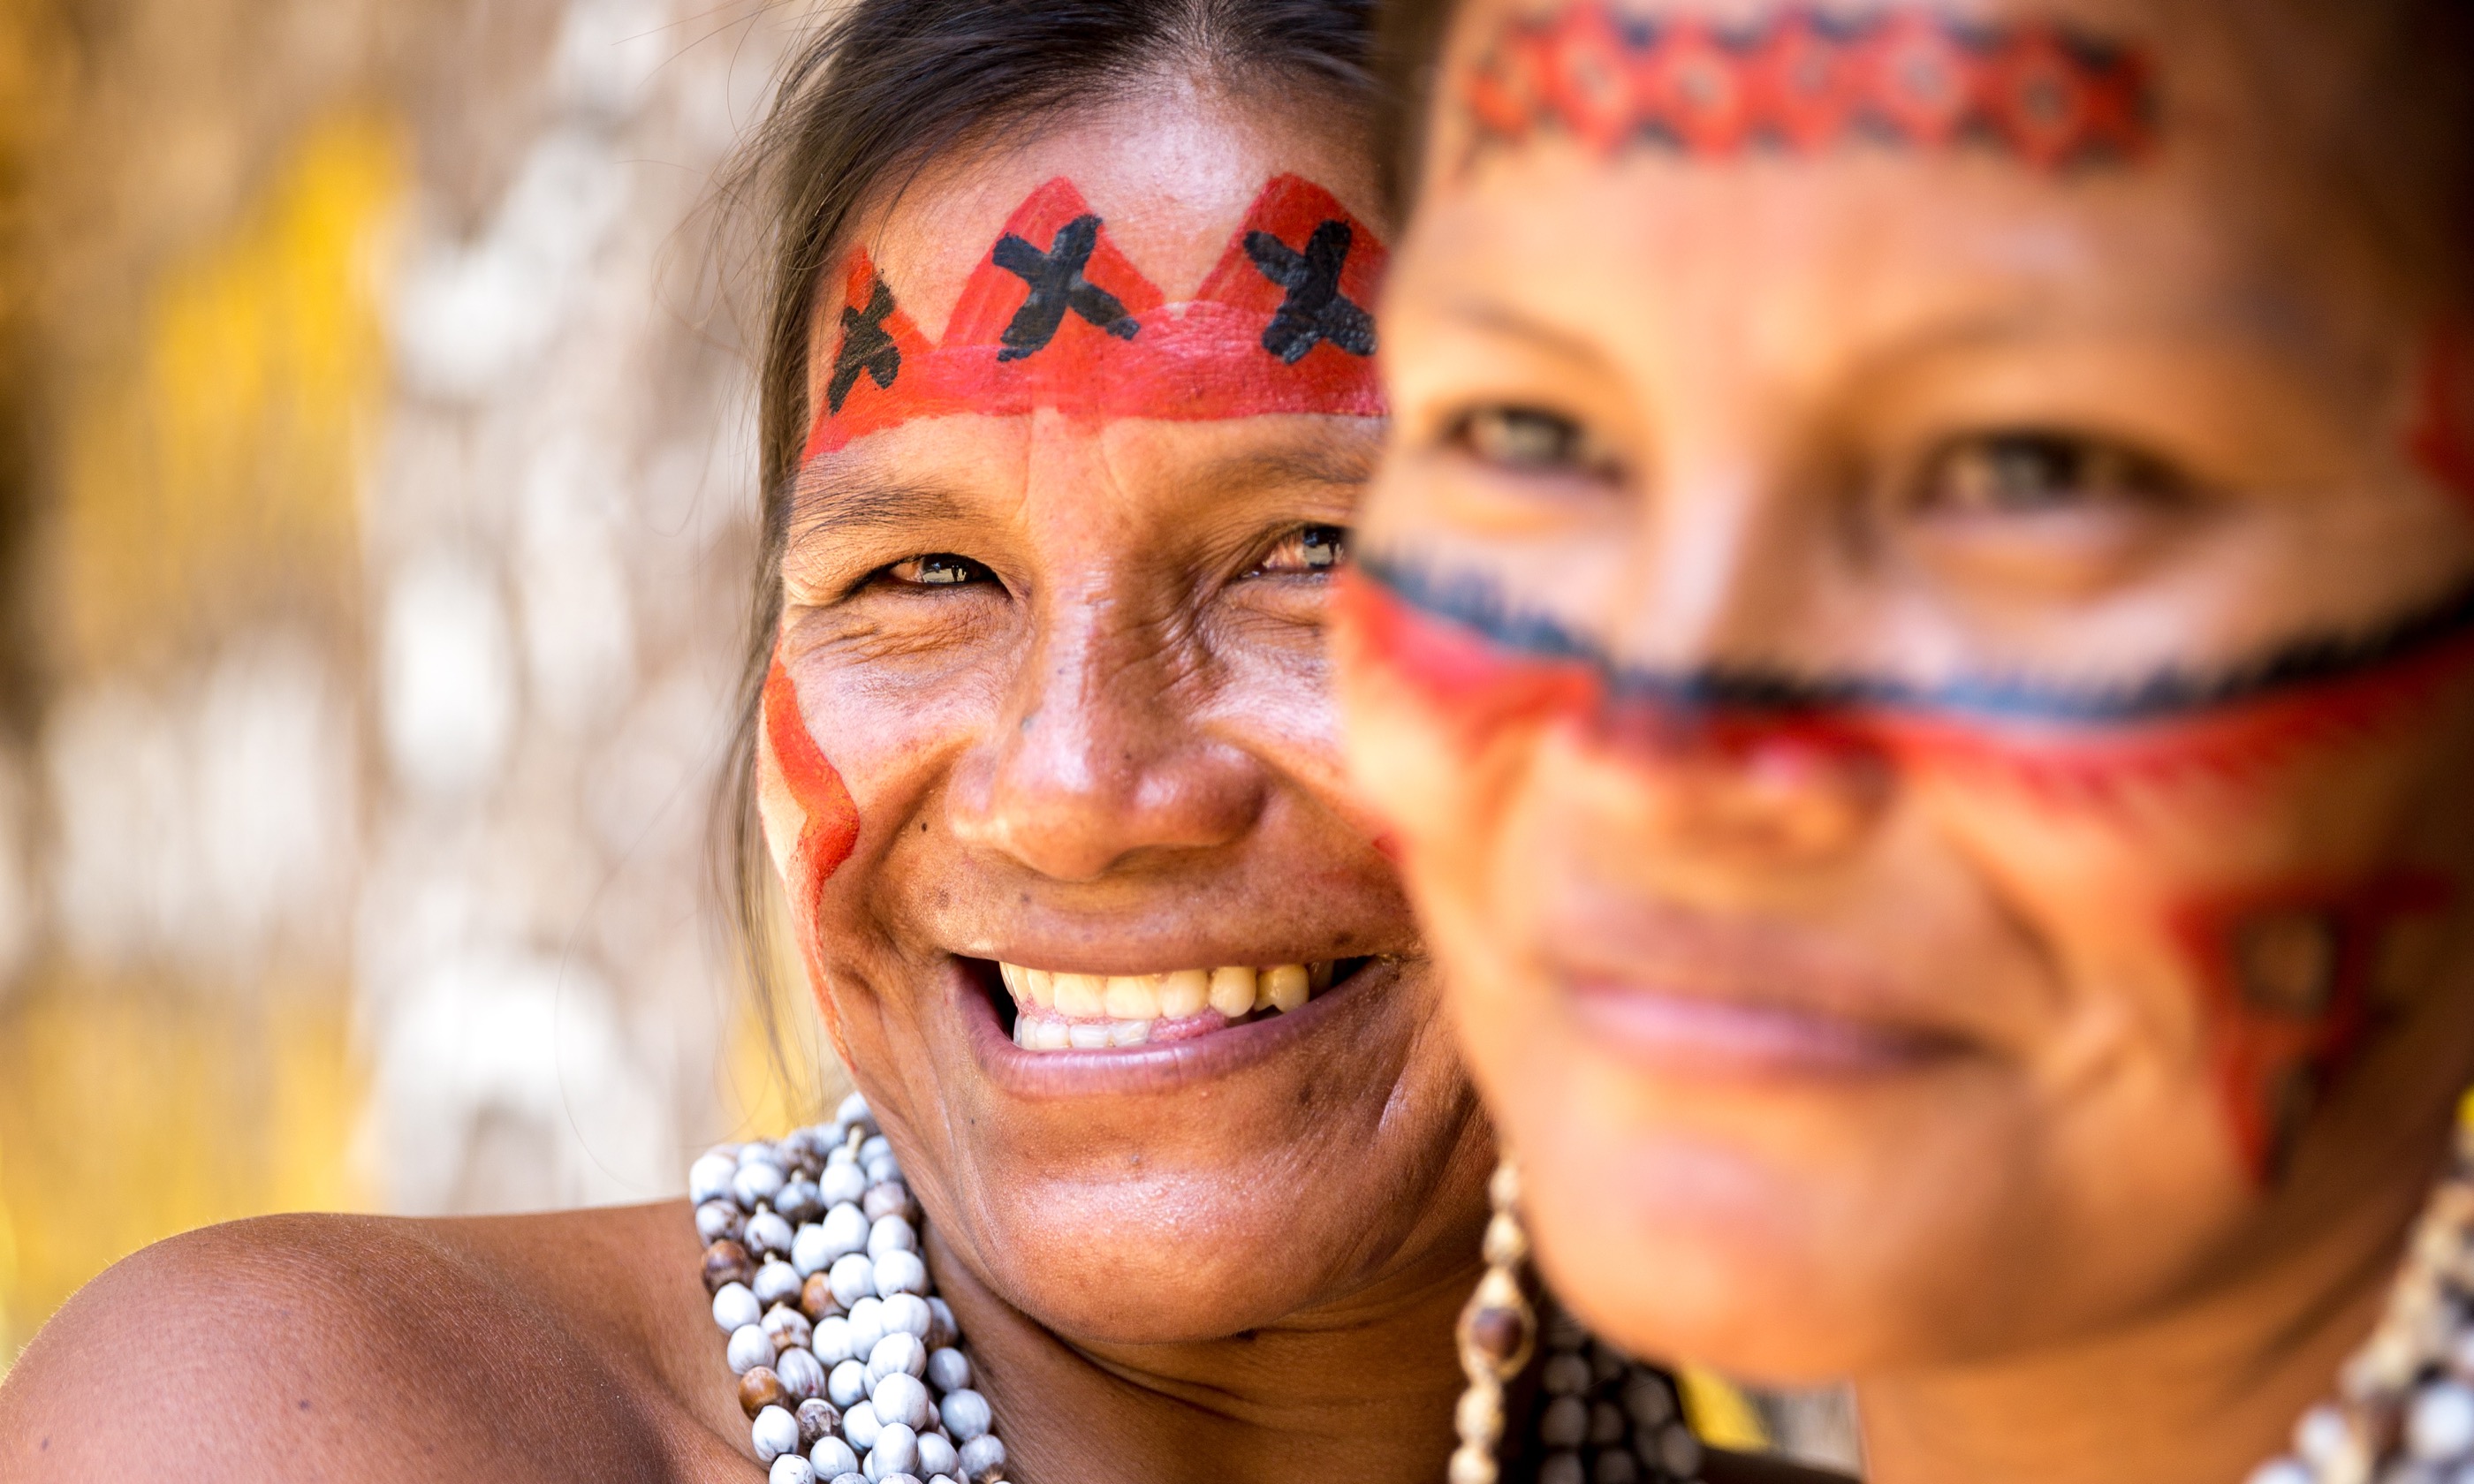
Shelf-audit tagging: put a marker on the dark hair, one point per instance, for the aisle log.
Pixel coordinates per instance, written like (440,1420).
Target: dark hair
(877,93)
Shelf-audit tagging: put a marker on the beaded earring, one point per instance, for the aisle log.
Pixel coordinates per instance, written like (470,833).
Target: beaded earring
(1606,1420)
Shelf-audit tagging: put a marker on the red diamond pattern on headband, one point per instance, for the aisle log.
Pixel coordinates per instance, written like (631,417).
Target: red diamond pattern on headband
(1801,81)
(1110,345)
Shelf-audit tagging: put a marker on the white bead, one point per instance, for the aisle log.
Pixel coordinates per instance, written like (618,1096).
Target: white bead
(2320,1435)
(905,1313)
(1565,1424)
(896,1352)
(750,1347)
(981,1457)
(791,1468)
(832,1340)
(845,1228)
(775,1432)
(852,1477)
(861,1427)
(787,1326)
(936,1456)
(853,1110)
(867,1326)
(733,1306)
(882,1170)
(896,1272)
(853,1277)
(803,1374)
(1562,1469)
(718,1218)
(709,1178)
(799,1201)
(808,1252)
(833,1458)
(949,1369)
(902,1398)
(2282,1471)
(767,1233)
(843,1184)
(847,1384)
(2440,1425)
(896,1451)
(891,1234)
(944,1330)
(777,1282)
(757,1151)
(965,1414)
(878,1148)
(756,1183)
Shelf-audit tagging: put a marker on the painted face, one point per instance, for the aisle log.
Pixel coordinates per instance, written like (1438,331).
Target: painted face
(1918,636)
(1052,773)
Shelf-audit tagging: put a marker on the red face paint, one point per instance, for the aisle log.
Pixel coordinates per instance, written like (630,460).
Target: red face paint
(2443,439)
(1803,82)
(2289,976)
(1479,684)
(809,818)
(1055,317)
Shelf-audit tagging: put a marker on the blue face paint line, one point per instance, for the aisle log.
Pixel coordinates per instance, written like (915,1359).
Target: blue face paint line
(1475,602)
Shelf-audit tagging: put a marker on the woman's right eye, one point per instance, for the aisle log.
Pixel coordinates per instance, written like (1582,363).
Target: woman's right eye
(1534,441)
(938,569)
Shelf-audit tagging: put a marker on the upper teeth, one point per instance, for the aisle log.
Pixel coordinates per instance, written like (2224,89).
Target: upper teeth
(1119,1010)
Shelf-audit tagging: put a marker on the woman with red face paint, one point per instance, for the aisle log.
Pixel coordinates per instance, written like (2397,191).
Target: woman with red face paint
(1166,1169)
(1917,635)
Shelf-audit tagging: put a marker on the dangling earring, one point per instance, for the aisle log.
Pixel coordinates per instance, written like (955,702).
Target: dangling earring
(1603,1417)
(1498,1331)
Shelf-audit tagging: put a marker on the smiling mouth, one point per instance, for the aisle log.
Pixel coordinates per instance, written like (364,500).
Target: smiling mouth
(1055,1011)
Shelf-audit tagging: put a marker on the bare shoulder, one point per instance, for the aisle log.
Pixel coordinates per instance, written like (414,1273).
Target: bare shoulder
(298,1347)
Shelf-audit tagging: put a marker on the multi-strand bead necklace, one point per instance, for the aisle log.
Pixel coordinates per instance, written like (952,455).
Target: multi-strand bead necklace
(2404,1410)
(851,1369)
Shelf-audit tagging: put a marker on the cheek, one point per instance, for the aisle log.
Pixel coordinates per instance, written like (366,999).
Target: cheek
(810,822)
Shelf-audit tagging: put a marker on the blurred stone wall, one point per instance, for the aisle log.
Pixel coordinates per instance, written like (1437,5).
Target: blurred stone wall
(375,492)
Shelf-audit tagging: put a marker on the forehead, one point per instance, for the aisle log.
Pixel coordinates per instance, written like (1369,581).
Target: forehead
(1799,167)
(1171,172)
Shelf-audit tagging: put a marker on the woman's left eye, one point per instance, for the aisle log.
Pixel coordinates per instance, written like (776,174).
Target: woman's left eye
(1307,549)
(939,569)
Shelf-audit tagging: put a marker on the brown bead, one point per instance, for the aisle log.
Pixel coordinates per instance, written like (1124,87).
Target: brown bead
(759,1389)
(726,1263)
(816,1298)
(1500,1334)
(888,1199)
(817,1418)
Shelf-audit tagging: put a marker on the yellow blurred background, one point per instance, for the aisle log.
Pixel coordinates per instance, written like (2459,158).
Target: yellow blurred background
(374,497)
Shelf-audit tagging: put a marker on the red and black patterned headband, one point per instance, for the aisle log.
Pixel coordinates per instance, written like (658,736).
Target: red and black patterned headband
(1056,317)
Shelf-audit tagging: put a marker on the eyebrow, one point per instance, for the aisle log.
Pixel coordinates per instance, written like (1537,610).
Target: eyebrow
(819,503)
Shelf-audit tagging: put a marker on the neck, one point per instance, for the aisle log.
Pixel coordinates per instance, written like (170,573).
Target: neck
(1359,1388)
(2202,1390)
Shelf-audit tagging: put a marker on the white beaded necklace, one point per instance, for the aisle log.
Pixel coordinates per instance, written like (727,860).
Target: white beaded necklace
(851,1369)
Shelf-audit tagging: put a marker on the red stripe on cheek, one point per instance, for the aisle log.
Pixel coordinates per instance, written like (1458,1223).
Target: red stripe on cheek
(2239,746)
(830,821)
(2443,438)
(2289,976)
(1478,688)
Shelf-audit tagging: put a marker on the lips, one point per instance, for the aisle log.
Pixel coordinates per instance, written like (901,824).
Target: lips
(1069,1011)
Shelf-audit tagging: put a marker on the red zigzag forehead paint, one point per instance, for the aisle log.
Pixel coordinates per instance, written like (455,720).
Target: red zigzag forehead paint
(1802,81)
(1056,317)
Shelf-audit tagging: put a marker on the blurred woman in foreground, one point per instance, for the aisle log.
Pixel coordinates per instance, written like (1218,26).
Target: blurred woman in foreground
(1918,636)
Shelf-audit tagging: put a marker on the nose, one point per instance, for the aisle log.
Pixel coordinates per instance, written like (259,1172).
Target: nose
(1100,756)
(1794,792)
